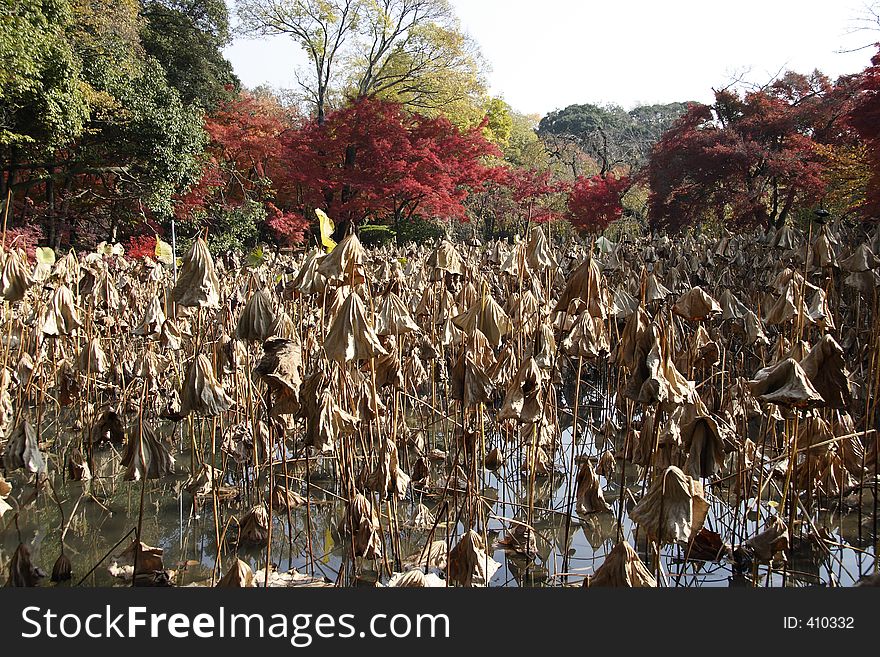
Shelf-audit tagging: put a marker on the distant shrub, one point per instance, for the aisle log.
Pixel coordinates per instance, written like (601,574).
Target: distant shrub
(375,235)
(419,231)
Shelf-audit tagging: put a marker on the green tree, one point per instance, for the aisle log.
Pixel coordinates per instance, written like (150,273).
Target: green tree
(187,38)
(42,103)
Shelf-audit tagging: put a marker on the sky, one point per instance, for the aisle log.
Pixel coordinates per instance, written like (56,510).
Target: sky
(548,54)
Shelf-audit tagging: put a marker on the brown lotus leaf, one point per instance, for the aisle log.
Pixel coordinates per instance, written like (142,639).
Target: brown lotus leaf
(345,263)
(239,576)
(107,428)
(142,559)
(387,478)
(622,568)
(415,578)
(486,316)
(77,466)
(784,238)
(655,290)
(583,283)
(538,252)
(623,304)
(280,368)
(706,440)
(468,382)
(62,571)
(151,323)
(707,546)
(588,491)
(202,393)
(92,358)
(862,259)
(98,288)
(15,279)
(22,571)
(351,336)
(494,459)
(823,252)
(170,335)
(361,522)
(673,509)
(393,317)
(5,491)
(696,304)
(283,499)
(238,442)
(731,307)
(787,384)
(445,260)
(23,450)
(519,539)
(587,339)
(820,311)
(257,319)
(388,368)
(254,526)
(770,542)
(146,456)
(60,317)
(826,370)
(864,281)
(326,420)
(197,285)
(607,464)
(308,280)
(524,401)
(469,563)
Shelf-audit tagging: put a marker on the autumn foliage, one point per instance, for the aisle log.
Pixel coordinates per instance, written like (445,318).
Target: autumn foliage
(372,161)
(865,118)
(595,201)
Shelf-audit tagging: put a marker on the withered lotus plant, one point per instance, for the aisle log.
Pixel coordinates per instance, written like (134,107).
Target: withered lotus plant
(673,509)
(15,280)
(257,318)
(352,336)
(280,368)
(22,571)
(254,526)
(345,263)
(60,317)
(23,450)
(622,568)
(202,393)
(787,384)
(826,370)
(197,284)
(146,456)
(469,563)
(588,491)
(361,522)
(239,576)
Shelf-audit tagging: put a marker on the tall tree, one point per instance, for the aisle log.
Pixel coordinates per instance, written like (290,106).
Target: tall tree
(322,28)
(187,38)
(748,159)
(865,118)
(407,51)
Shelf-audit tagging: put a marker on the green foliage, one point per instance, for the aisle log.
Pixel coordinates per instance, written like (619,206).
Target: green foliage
(499,122)
(42,104)
(376,235)
(187,38)
(418,230)
(236,229)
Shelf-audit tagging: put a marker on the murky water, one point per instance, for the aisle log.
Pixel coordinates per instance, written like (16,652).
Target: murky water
(97,514)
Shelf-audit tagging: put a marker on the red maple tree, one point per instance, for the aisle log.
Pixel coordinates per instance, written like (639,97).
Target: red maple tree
(865,118)
(595,201)
(372,161)
(747,159)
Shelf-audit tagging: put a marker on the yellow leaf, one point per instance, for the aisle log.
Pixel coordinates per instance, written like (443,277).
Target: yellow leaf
(164,254)
(45,255)
(327,228)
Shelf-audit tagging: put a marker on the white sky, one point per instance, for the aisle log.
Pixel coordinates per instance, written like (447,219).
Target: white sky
(552,53)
